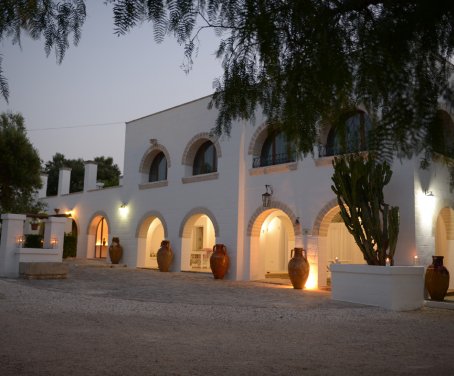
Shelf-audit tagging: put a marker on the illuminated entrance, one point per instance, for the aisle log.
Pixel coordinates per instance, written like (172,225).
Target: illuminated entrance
(98,237)
(444,240)
(336,244)
(199,237)
(151,232)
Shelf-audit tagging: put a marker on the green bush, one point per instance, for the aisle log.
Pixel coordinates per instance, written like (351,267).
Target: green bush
(33,241)
(70,246)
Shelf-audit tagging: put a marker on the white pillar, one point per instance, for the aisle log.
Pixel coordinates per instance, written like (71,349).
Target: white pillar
(43,191)
(12,228)
(64,178)
(90,175)
(54,234)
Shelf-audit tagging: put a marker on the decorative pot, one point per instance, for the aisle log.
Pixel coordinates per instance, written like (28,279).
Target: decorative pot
(219,261)
(437,279)
(115,251)
(164,256)
(298,268)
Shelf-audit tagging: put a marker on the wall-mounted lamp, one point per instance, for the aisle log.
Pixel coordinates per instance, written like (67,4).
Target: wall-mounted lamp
(54,242)
(297,221)
(124,209)
(69,213)
(20,240)
(57,210)
(428,193)
(266,197)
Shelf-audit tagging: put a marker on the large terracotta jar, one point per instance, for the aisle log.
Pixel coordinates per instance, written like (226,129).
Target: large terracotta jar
(219,261)
(437,279)
(115,251)
(298,268)
(164,256)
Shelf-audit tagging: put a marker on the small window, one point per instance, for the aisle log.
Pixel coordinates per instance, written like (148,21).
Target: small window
(205,160)
(275,150)
(158,169)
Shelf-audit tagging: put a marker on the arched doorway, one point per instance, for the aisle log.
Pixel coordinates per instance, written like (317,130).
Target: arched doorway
(276,241)
(444,240)
(198,239)
(151,232)
(98,237)
(273,232)
(336,244)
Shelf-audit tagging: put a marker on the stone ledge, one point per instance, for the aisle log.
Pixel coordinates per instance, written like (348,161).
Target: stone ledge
(43,270)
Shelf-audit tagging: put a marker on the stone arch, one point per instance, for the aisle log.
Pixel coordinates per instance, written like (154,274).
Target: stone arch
(186,223)
(324,218)
(150,154)
(261,213)
(194,144)
(447,215)
(91,228)
(257,140)
(145,221)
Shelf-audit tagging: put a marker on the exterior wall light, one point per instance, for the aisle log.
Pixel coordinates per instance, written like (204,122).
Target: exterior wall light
(20,240)
(54,242)
(429,193)
(266,197)
(124,210)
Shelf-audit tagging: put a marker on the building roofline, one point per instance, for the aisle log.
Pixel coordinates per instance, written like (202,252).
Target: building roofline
(168,109)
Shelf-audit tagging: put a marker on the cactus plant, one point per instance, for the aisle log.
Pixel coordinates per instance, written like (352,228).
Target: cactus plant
(358,184)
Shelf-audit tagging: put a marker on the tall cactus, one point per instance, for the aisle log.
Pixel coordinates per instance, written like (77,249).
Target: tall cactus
(358,185)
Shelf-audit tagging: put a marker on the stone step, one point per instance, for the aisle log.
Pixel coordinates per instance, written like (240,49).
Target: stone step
(43,270)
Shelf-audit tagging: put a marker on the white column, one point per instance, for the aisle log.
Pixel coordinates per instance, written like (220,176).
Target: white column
(64,178)
(54,234)
(90,175)
(43,191)
(12,228)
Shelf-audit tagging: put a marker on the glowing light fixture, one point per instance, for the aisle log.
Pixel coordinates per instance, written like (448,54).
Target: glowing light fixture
(20,240)
(54,242)
(124,210)
(266,197)
(428,193)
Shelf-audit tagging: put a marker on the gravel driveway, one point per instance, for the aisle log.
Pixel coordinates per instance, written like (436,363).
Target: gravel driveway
(121,321)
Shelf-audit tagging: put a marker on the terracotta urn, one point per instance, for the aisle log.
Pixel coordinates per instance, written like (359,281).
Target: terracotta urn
(115,251)
(298,268)
(437,279)
(219,261)
(164,256)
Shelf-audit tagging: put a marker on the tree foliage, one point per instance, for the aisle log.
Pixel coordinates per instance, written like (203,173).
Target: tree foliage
(304,62)
(19,167)
(54,21)
(108,173)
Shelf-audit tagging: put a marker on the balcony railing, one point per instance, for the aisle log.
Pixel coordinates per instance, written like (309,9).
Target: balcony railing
(330,150)
(273,160)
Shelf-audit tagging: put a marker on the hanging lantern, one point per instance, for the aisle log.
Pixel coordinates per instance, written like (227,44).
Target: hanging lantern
(266,197)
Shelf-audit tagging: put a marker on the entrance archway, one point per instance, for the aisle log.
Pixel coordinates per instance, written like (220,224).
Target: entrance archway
(335,243)
(197,241)
(152,230)
(98,236)
(444,240)
(272,234)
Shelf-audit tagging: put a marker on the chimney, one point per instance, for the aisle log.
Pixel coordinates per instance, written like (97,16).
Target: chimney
(91,172)
(64,177)
(43,190)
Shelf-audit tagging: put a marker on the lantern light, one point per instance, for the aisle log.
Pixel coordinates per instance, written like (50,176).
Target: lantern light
(266,197)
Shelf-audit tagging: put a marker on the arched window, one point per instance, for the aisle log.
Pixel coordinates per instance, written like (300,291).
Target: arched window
(205,160)
(275,150)
(158,168)
(352,137)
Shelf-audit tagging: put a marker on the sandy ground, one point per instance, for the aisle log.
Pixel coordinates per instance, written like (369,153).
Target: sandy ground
(103,321)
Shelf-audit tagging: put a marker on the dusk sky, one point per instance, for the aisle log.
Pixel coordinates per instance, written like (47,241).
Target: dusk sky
(79,108)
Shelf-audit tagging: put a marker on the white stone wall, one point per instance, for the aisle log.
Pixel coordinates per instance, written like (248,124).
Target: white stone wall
(301,189)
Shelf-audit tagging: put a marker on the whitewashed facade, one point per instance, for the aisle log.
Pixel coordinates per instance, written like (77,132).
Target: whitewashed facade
(196,211)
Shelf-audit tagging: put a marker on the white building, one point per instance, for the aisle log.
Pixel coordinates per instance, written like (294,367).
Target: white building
(183,185)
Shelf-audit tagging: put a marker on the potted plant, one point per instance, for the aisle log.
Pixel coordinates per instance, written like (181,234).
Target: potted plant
(34,224)
(358,182)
